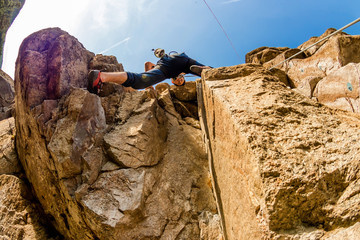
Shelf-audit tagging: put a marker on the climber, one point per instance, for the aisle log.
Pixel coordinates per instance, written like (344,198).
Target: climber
(169,66)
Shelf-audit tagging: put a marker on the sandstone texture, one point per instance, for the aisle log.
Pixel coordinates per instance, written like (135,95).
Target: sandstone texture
(287,167)
(121,165)
(20,214)
(312,73)
(7,95)
(277,148)
(9,163)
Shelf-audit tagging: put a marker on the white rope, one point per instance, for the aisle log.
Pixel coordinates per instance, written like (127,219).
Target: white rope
(346,26)
(223,29)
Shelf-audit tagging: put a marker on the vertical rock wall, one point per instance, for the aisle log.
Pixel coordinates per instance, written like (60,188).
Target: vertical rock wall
(286,166)
(21,216)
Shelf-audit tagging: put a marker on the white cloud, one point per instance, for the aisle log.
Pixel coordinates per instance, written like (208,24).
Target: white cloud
(79,18)
(231,1)
(107,14)
(115,45)
(36,15)
(99,25)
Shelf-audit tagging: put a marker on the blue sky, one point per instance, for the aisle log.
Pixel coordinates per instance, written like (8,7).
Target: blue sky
(129,29)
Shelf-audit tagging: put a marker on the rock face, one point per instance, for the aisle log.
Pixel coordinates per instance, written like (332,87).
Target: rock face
(9,163)
(313,72)
(9,9)
(20,214)
(6,95)
(120,166)
(286,166)
(265,54)
(134,164)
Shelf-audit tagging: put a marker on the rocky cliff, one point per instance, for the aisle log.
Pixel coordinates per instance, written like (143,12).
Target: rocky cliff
(286,165)
(7,95)
(135,164)
(328,72)
(289,168)
(122,165)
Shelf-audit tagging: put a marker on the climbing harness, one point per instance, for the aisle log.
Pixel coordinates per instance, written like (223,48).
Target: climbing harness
(173,52)
(226,35)
(323,39)
(159,53)
(203,122)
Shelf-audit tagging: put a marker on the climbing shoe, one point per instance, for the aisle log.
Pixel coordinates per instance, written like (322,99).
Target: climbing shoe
(197,70)
(94,81)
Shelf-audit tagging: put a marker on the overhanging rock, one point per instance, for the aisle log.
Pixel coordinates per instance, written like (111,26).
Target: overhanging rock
(285,165)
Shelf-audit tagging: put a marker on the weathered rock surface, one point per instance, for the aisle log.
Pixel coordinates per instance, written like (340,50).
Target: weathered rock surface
(9,163)
(132,164)
(106,63)
(7,95)
(286,166)
(185,100)
(262,55)
(306,70)
(119,166)
(313,40)
(340,89)
(337,52)
(9,9)
(20,215)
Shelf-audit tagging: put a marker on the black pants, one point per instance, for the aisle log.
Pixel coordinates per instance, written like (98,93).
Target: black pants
(154,76)
(145,79)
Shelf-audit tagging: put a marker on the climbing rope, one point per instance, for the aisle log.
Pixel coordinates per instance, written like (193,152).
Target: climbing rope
(323,39)
(226,35)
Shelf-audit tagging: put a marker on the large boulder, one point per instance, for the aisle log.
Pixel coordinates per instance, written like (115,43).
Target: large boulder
(286,166)
(328,56)
(119,166)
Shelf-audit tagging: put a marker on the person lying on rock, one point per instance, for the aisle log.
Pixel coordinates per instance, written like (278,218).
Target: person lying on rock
(169,66)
